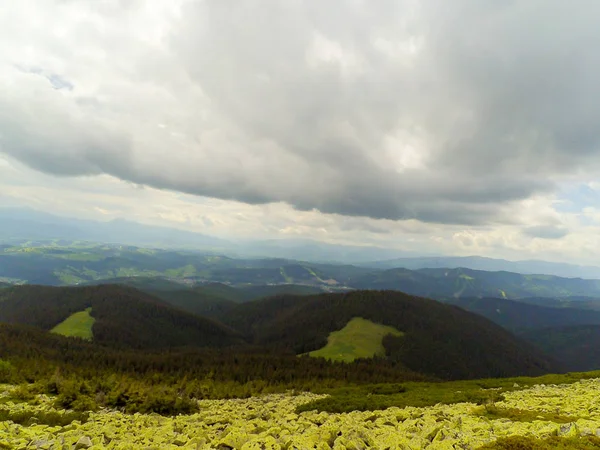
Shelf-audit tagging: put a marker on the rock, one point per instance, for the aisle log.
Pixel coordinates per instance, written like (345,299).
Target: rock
(180,442)
(83,442)
(42,444)
(569,430)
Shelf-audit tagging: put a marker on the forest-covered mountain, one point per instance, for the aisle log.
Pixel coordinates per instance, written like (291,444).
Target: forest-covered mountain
(576,346)
(518,316)
(438,340)
(568,333)
(124,317)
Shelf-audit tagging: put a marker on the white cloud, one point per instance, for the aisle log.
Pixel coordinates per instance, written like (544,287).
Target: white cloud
(446,126)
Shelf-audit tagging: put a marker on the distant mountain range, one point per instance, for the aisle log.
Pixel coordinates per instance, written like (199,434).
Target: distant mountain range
(76,263)
(22,225)
(490,264)
(31,225)
(458,283)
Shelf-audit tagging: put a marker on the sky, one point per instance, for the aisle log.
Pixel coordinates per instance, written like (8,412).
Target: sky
(469,127)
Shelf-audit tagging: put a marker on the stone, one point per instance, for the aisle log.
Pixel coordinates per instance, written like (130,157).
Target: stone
(83,442)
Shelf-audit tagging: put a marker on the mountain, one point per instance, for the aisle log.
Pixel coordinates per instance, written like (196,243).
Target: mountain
(124,317)
(314,251)
(31,225)
(210,299)
(575,301)
(215,299)
(77,263)
(577,347)
(440,340)
(568,334)
(518,317)
(489,264)
(455,283)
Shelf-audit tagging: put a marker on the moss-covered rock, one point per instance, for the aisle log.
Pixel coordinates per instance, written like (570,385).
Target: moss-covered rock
(270,422)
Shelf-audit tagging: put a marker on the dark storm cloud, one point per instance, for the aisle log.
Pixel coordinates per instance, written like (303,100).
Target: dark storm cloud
(438,111)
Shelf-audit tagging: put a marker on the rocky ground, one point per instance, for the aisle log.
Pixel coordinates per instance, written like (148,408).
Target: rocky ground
(270,422)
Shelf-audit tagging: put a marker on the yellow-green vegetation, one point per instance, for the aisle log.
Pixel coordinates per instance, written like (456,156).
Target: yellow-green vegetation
(78,325)
(481,392)
(360,338)
(491,411)
(272,422)
(285,275)
(465,277)
(67,277)
(502,293)
(312,272)
(551,443)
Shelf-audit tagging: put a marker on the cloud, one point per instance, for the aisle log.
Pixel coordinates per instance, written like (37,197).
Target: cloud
(546,232)
(441,112)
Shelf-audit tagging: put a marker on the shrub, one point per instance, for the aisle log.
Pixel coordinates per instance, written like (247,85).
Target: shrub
(51,418)
(7,372)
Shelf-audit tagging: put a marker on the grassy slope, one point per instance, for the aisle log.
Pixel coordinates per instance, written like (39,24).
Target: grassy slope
(360,338)
(78,324)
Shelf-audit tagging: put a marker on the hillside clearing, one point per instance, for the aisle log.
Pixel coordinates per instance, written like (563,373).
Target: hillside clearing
(78,325)
(360,338)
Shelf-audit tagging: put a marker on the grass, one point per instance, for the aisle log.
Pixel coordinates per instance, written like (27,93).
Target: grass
(521,415)
(285,275)
(360,338)
(78,325)
(50,418)
(420,394)
(181,272)
(68,278)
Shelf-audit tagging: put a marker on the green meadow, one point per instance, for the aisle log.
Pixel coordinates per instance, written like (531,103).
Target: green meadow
(360,338)
(78,325)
